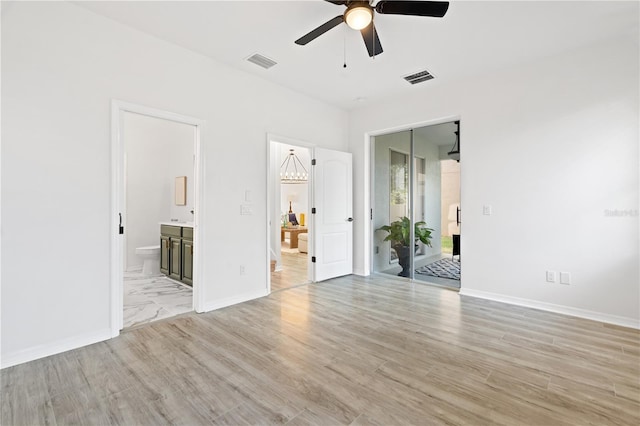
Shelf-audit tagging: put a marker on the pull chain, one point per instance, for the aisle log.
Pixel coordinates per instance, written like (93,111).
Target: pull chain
(344,50)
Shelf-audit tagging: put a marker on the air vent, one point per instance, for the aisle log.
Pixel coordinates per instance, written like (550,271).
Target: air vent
(419,77)
(261,61)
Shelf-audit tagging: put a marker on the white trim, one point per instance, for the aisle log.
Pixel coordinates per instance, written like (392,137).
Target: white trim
(361,272)
(117,201)
(118,108)
(48,349)
(550,307)
(234,300)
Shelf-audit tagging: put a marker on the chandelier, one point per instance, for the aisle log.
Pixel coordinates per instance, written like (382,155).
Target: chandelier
(292,170)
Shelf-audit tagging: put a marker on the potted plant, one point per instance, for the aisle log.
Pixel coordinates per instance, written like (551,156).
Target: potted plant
(399,237)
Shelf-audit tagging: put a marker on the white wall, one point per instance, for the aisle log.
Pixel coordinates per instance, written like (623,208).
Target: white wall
(61,67)
(450,170)
(551,146)
(157,151)
(298,194)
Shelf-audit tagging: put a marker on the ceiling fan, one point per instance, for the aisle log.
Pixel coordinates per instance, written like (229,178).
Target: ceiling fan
(359,16)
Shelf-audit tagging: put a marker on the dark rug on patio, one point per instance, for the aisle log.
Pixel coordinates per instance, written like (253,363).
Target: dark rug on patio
(443,268)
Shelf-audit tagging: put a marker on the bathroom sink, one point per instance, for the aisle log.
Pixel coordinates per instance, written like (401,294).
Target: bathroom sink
(177,223)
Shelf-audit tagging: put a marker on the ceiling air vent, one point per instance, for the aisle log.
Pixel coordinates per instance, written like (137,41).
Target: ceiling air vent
(261,61)
(419,77)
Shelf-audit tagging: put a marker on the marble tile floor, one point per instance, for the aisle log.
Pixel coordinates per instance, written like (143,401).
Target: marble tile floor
(152,298)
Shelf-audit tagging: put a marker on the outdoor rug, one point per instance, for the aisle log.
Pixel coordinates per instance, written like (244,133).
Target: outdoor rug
(443,268)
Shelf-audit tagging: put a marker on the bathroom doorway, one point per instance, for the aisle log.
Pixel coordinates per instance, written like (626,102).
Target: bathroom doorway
(290,210)
(156,194)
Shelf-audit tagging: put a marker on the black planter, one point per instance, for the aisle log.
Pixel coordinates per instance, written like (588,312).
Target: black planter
(403,259)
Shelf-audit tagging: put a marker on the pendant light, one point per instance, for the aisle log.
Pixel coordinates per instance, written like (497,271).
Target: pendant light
(292,170)
(454,154)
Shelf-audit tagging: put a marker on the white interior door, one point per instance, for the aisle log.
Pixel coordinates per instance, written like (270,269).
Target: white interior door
(333,220)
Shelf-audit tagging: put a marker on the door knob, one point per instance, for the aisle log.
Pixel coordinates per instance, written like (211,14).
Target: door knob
(350,219)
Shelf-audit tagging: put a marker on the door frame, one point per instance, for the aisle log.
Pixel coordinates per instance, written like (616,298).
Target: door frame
(118,204)
(369,195)
(273,174)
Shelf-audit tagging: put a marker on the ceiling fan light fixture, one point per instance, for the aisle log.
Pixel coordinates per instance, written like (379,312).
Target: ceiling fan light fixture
(358,17)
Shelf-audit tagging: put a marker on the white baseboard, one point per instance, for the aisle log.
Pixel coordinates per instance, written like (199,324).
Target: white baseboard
(41,351)
(223,303)
(360,272)
(550,307)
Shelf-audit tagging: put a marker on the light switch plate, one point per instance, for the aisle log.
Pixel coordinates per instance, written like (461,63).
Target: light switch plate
(246,210)
(486,210)
(565,278)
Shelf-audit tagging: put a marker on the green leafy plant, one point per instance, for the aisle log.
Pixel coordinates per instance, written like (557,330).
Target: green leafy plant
(399,232)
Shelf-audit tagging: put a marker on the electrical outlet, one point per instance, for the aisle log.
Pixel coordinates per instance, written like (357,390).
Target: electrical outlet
(246,210)
(486,210)
(565,278)
(242,271)
(377,249)
(551,276)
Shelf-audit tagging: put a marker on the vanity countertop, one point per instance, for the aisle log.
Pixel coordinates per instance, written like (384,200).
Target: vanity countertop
(182,224)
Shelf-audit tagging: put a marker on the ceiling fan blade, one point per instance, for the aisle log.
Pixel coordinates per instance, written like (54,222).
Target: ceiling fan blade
(371,40)
(320,30)
(436,9)
(337,1)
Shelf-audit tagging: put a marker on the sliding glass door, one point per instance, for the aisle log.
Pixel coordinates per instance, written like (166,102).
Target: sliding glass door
(406,199)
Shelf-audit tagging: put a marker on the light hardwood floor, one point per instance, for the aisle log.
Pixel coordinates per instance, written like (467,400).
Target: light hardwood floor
(351,350)
(294,271)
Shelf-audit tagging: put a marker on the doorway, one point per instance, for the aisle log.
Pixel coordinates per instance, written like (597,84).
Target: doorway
(156,176)
(158,218)
(290,198)
(328,219)
(412,186)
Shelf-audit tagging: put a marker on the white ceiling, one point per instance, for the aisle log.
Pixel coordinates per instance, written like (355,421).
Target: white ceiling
(473,38)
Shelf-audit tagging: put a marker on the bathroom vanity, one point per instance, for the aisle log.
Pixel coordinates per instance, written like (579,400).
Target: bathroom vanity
(176,251)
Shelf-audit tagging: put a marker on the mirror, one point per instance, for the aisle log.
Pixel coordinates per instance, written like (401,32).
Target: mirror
(181,191)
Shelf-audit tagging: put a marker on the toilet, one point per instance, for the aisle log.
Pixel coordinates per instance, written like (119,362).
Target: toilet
(151,258)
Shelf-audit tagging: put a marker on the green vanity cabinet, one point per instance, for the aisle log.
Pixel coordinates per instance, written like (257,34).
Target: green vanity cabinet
(187,256)
(165,259)
(176,253)
(175,266)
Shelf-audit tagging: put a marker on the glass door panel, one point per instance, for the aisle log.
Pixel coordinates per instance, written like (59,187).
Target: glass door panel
(407,188)
(398,192)
(419,197)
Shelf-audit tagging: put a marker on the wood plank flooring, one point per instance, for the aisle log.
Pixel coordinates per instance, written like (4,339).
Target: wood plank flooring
(353,350)
(294,271)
